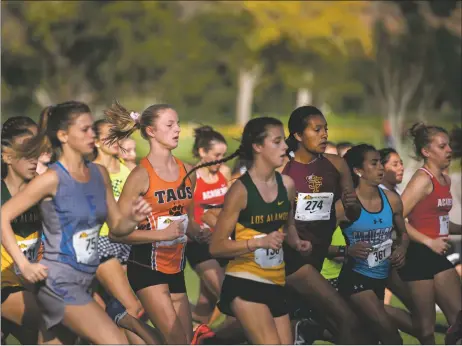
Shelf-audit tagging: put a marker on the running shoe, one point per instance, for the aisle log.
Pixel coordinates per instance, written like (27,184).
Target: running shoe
(306,332)
(454,333)
(201,333)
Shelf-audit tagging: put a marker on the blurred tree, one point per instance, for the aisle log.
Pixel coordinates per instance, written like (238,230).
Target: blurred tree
(416,61)
(39,40)
(310,25)
(166,52)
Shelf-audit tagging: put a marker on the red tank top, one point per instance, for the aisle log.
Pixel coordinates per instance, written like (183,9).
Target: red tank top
(208,194)
(430,215)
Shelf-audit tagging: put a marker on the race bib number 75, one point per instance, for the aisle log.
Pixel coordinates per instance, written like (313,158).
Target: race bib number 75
(86,245)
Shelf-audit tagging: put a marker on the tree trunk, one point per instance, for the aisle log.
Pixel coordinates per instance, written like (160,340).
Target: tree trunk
(304,97)
(395,130)
(246,86)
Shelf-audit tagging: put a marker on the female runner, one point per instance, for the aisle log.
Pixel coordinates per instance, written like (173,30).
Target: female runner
(127,151)
(113,256)
(157,259)
(320,180)
(427,200)
(363,278)
(75,199)
(393,176)
(256,209)
(210,190)
(19,306)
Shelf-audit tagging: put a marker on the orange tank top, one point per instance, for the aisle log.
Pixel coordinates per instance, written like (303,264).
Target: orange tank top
(168,203)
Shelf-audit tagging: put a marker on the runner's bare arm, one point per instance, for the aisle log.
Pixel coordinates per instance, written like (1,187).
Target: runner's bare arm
(137,184)
(292,236)
(194,230)
(398,256)
(417,189)
(210,217)
(221,245)
(340,212)
(226,171)
(350,202)
(39,188)
(398,219)
(122,222)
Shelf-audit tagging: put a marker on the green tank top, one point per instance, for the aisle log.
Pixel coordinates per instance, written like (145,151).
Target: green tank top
(27,229)
(27,223)
(257,220)
(260,216)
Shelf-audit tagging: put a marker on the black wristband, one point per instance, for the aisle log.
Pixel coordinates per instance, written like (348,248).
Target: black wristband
(342,251)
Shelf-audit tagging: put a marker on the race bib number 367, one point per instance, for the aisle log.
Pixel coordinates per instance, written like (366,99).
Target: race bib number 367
(314,206)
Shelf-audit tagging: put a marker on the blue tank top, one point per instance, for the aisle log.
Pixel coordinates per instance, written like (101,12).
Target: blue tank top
(375,229)
(72,219)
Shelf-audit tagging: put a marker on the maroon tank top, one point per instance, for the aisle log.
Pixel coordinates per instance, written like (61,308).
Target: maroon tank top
(317,187)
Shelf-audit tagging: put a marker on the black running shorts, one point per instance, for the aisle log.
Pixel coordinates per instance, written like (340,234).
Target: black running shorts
(422,263)
(273,296)
(141,277)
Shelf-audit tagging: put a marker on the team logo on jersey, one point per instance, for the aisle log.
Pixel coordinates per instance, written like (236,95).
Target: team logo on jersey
(172,195)
(314,182)
(176,210)
(444,202)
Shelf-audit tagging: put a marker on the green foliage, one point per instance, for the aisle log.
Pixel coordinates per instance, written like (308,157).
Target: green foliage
(189,54)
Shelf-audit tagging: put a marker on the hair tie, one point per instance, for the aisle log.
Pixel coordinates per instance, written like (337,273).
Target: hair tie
(135,116)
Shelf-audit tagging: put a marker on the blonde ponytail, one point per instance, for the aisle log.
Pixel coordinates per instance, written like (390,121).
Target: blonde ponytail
(122,122)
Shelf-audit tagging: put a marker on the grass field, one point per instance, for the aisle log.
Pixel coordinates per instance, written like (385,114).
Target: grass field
(192,286)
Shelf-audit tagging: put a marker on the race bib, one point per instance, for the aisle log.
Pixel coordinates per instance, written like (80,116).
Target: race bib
(86,245)
(30,249)
(314,206)
(164,221)
(267,258)
(444,225)
(379,253)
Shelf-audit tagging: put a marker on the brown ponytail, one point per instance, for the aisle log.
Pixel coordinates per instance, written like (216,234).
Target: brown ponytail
(40,143)
(52,119)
